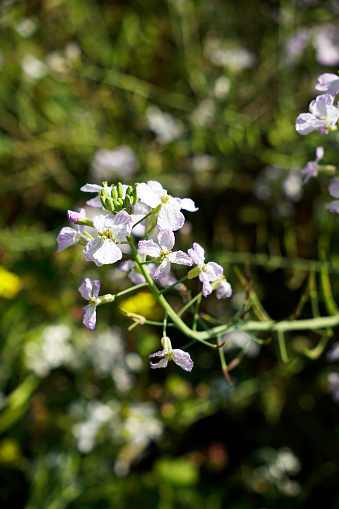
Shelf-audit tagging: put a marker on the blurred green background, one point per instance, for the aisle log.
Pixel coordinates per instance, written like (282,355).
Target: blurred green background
(201,95)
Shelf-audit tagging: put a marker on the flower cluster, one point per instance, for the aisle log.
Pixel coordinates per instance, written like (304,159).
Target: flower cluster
(323,114)
(126,212)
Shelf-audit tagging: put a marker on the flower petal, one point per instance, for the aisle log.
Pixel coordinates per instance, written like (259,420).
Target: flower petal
(67,237)
(86,289)
(166,239)
(89,316)
(197,254)
(146,195)
(181,258)
(182,359)
(149,247)
(188,204)
(170,217)
(163,269)
(333,188)
(333,206)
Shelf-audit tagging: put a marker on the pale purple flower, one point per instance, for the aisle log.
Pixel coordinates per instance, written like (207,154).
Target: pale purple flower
(111,163)
(162,253)
(103,249)
(311,168)
(169,215)
(333,189)
(74,217)
(328,83)
(207,272)
(296,45)
(333,382)
(333,354)
(323,116)
(326,44)
(224,289)
(70,236)
(90,292)
(183,359)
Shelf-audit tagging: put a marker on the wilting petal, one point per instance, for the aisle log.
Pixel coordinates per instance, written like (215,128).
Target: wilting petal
(161,364)
(182,359)
(89,316)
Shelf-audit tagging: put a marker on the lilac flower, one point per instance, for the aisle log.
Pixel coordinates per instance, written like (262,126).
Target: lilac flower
(207,272)
(328,83)
(103,250)
(91,294)
(163,253)
(224,289)
(118,162)
(323,116)
(333,382)
(333,189)
(311,168)
(133,271)
(70,236)
(183,359)
(333,354)
(169,215)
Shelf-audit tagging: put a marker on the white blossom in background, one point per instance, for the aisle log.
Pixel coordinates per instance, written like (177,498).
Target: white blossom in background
(234,58)
(326,44)
(33,68)
(54,350)
(275,471)
(204,113)
(292,186)
(164,125)
(98,416)
(222,86)
(203,162)
(109,164)
(240,340)
(296,45)
(26,27)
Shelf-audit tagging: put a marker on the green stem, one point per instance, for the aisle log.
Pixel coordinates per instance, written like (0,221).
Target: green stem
(105,299)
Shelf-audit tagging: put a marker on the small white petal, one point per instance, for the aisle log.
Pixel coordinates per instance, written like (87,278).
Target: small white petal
(197,254)
(67,237)
(107,253)
(166,240)
(188,204)
(146,195)
(333,188)
(149,247)
(163,269)
(181,258)
(86,289)
(89,316)
(91,188)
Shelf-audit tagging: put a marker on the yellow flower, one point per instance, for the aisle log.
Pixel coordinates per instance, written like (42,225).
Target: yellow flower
(10,284)
(144,304)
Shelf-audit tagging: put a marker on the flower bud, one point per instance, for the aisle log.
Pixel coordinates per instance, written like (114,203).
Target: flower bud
(120,190)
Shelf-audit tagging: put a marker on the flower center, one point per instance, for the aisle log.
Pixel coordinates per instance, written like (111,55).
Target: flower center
(107,234)
(165,198)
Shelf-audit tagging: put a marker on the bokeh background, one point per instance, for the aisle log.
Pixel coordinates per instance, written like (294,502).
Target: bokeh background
(201,95)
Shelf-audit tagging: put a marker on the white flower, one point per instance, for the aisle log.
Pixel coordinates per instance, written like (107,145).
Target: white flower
(165,126)
(323,116)
(169,215)
(207,272)
(163,253)
(111,163)
(90,292)
(69,236)
(183,359)
(111,229)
